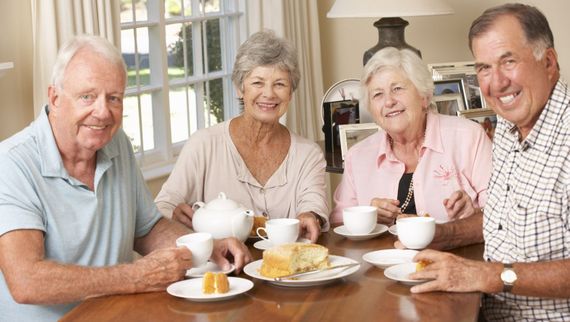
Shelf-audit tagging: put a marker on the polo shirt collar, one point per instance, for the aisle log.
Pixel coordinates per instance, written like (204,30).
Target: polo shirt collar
(50,158)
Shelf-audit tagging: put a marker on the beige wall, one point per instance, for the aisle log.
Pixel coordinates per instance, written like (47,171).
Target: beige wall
(16,110)
(343,41)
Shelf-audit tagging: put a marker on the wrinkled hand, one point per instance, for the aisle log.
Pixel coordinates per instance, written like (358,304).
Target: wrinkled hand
(160,268)
(228,248)
(458,205)
(309,226)
(450,273)
(183,214)
(388,210)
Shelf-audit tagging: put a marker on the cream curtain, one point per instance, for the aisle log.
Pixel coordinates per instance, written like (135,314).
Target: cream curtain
(55,22)
(298,21)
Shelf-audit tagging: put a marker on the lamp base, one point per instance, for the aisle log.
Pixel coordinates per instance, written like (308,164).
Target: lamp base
(390,34)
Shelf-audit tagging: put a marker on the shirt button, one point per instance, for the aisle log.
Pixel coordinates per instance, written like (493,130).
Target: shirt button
(508,187)
(262,190)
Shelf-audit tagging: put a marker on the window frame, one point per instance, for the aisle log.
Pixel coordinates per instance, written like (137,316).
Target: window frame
(159,161)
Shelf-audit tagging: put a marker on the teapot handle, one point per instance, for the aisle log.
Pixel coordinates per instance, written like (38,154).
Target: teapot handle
(197,205)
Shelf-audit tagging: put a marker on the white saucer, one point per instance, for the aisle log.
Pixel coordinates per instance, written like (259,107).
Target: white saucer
(401,272)
(192,289)
(209,267)
(389,257)
(393,230)
(378,230)
(266,244)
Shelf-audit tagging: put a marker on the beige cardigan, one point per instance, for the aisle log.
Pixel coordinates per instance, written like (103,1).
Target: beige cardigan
(209,163)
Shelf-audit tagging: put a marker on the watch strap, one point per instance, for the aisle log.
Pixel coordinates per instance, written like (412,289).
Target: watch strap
(507,287)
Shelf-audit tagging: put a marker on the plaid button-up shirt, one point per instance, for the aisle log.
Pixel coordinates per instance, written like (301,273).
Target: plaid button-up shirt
(528,211)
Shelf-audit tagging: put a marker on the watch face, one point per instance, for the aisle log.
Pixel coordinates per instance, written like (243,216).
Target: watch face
(508,276)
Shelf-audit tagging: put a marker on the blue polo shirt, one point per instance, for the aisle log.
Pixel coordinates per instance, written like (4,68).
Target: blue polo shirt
(83,227)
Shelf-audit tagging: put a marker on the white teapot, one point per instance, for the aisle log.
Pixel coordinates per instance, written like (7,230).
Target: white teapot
(222,217)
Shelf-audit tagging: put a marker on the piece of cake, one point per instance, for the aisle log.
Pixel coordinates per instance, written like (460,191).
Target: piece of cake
(422,264)
(293,258)
(215,283)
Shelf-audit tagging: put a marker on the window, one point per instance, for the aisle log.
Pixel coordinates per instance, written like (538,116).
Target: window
(179,56)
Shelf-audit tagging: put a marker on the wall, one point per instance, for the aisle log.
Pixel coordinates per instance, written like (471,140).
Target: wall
(16,110)
(440,38)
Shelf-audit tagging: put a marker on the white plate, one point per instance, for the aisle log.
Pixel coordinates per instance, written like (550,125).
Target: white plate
(393,230)
(252,269)
(389,257)
(192,289)
(378,230)
(401,272)
(209,267)
(265,244)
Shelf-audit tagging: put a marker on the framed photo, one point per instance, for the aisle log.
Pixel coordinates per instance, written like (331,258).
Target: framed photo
(335,114)
(484,116)
(450,86)
(350,134)
(449,104)
(465,71)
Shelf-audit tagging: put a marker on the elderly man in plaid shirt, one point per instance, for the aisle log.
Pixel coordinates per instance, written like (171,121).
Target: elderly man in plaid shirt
(525,225)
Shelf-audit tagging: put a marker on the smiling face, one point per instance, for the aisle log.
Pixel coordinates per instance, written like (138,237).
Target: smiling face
(266,93)
(87,110)
(396,104)
(515,84)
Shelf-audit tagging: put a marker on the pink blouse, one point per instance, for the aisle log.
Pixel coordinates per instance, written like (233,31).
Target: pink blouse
(456,154)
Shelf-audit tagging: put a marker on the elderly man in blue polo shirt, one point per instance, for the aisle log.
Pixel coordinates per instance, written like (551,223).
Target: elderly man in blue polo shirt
(73,203)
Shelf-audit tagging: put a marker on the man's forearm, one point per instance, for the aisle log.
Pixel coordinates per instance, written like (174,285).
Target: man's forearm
(461,232)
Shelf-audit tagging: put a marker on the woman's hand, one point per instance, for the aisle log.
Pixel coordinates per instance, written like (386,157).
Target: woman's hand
(458,205)
(388,210)
(183,214)
(309,226)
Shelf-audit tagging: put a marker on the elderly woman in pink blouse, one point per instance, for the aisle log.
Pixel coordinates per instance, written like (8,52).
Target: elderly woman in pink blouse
(420,162)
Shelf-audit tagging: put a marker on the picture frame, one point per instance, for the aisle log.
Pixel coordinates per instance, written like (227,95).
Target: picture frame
(338,113)
(484,116)
(450,86)
(350,134)
(449,104)
(466,71)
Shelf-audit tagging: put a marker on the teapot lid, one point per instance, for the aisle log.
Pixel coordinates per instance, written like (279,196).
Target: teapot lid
(222,203)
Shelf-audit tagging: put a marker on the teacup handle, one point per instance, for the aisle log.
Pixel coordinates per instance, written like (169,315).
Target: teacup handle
(258,234)
(197,205)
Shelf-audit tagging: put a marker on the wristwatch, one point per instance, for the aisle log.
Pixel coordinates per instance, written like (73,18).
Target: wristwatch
(509,277)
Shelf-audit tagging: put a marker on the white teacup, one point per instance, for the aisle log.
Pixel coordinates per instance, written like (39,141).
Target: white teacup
(415,232)
(200,244)
(280,231)
(360,220)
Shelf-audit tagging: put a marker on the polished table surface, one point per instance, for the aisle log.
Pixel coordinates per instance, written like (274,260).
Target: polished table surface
(366,295)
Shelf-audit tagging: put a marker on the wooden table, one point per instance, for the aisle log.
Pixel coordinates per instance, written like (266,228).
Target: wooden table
(364,296)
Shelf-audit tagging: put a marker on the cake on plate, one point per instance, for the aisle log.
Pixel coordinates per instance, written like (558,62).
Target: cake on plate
(215,283)
(293,258)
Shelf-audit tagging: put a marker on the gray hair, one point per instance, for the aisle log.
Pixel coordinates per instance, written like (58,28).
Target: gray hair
(264,48)
(534,25)
(403,59)
(71,47)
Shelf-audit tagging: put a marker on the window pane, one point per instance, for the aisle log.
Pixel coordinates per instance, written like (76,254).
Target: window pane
(215,113)
(147,122)
(131,121)
(178,114)
(129,46)
(141,13)
(172,8)
(126,11)
(212,6)
(143,56)
(214,54)
(188,7)
(176,46)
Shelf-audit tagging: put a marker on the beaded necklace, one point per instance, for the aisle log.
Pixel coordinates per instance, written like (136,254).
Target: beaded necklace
(408,196)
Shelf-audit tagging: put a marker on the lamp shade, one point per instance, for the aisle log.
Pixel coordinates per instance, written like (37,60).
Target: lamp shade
(388,8)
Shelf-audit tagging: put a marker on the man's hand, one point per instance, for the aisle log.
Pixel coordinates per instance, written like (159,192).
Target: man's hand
(459,205)
(451,273)
(228,248)
(183,214)
(309,226)
(160,268)
(388,210)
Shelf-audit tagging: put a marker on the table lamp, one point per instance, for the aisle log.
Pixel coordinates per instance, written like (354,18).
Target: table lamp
(390,26)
